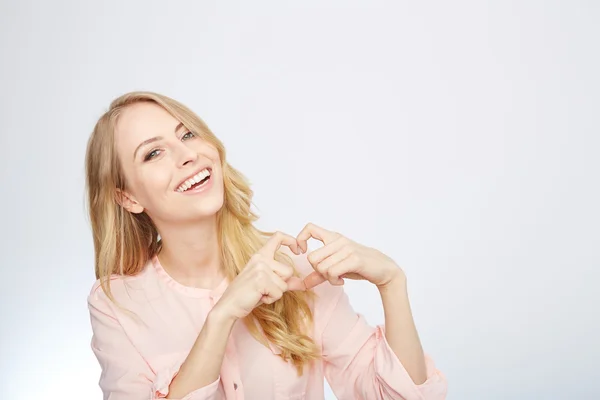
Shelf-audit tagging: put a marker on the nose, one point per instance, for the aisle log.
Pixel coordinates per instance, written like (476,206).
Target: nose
(185,155)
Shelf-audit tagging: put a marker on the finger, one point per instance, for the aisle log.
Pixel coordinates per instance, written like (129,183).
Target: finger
(310,281)
(273,289)
(271,297)
(272,272)
(280,282)
(324,267)
(317,256)
(295,283)
(275,242)
(332,259)
(316,232)
(335,281)
(346,268)
(284,271)
(353,275)
(313,279)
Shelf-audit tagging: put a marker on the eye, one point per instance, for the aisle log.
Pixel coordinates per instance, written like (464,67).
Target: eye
(188,135)
(152,154)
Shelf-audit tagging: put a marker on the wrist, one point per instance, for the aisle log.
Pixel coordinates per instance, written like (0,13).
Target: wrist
(396,284)
(220,316)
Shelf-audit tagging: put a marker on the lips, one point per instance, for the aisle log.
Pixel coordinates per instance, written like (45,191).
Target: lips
(199,176)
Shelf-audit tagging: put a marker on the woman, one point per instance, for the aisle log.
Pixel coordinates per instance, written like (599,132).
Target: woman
(193,302)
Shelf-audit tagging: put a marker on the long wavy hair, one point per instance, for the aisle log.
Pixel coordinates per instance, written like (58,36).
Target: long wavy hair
(125,242)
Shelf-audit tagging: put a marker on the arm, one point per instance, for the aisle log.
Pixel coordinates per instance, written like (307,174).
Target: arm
(126,375)
(262,281)
(400,330)
(203,365)
(359,362)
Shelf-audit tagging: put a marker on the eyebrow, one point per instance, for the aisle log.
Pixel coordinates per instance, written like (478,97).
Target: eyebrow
(154,139)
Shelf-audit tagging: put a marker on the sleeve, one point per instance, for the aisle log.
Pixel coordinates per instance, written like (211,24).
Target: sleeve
(125,375)
(360,364)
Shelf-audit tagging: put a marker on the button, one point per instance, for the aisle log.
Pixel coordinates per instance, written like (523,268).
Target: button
(234,386)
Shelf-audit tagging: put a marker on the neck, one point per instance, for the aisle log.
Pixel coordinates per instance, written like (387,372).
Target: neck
(191,254)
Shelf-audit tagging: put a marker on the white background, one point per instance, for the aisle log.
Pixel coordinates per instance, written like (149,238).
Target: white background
(461,138)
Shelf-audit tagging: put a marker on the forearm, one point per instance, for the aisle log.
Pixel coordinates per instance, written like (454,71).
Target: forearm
(400,330)
(203,364)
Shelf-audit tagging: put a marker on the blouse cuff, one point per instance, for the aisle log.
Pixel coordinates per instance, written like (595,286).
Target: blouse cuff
(165,377)
(392,374)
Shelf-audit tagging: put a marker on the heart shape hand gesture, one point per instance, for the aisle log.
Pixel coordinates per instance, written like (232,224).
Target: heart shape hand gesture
(342,258)
(264,280)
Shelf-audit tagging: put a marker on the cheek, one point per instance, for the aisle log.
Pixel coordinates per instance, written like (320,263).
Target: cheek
(206,149)
(214,154)
(152,185)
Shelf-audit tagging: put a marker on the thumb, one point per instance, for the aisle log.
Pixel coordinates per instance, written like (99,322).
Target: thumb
(312,280)
(295,283)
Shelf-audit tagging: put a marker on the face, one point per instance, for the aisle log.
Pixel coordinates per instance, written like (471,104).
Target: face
(172,175)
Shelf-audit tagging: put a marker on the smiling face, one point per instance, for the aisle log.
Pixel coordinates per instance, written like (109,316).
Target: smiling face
(171,174)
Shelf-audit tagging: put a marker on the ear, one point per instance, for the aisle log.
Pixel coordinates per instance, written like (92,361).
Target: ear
(128,202)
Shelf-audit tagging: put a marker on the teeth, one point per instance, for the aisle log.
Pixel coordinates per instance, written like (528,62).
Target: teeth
(194,179)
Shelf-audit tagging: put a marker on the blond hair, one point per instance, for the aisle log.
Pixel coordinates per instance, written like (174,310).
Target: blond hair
(124,242)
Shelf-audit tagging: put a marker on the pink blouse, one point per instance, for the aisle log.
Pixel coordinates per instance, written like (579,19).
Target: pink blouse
(139,355)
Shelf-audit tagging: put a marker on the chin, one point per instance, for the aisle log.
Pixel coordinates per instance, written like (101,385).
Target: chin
(188,211)
(209,207)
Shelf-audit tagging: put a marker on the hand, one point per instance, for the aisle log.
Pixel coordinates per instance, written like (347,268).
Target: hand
(262,281)
(341,258)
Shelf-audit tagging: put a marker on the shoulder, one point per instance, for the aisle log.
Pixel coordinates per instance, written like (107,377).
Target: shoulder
(122,288)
